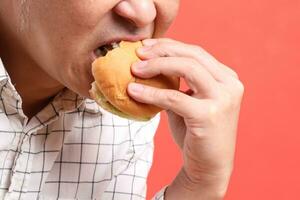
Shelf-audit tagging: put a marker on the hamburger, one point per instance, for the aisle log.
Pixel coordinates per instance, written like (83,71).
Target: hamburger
(112,74)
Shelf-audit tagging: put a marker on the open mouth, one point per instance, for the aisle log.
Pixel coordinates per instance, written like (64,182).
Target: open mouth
(103,50)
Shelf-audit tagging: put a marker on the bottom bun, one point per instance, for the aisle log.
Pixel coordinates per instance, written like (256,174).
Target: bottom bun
(97,95)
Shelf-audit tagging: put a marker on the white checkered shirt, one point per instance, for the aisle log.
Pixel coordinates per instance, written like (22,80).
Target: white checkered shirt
(72,149)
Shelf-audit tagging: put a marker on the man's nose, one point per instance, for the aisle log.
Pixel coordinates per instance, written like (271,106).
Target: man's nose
(140,12)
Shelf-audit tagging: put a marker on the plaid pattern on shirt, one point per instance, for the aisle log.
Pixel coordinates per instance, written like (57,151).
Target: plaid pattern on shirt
(72,149)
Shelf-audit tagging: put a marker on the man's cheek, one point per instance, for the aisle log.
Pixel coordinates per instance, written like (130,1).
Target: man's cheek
(84,15)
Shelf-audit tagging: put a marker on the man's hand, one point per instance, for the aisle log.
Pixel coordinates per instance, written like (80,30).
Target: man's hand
(203,120)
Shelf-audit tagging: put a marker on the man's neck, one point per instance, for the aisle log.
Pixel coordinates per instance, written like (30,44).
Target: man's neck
(35,86)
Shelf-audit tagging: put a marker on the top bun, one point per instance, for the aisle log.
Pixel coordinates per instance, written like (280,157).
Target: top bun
(112,75)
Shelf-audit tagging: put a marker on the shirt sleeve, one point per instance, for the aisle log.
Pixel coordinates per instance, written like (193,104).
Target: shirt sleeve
(131,183)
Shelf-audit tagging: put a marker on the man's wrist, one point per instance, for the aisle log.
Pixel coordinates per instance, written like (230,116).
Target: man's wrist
(184,188)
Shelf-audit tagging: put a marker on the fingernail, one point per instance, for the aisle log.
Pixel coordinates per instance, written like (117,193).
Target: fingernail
(144,49)
(135,87)
(149,42)
(139,65)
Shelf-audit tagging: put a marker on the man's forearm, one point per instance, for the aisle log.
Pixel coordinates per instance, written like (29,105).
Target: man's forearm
(185,189)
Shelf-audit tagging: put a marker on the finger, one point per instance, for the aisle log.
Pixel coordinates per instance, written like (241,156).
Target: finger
(176,101)
(170,48)
(195,75)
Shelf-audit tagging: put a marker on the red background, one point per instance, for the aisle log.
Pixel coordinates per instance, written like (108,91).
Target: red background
(260,39)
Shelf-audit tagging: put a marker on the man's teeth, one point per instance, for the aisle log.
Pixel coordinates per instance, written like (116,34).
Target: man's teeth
(103,50)
(115,45)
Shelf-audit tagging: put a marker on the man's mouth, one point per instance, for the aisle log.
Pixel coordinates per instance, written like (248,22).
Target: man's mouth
(104,49)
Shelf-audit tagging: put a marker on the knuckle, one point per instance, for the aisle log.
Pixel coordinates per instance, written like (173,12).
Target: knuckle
(231,71)
(238,89)
(166,40)
(173,97)
(226,99)
(190,70)
(197,49)
(212,112)
(217,111)
(229,100)
(193,63)
(240,93)
(213,109)
(234,73)
(150,92)
(155,94)
(161,49)
(192,66)
(153,66)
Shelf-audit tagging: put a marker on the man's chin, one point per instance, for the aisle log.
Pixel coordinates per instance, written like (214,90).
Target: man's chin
(80,87)
(84,91)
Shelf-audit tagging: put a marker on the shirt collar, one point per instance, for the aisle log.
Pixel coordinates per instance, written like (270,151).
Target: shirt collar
(3,73)
(4,77)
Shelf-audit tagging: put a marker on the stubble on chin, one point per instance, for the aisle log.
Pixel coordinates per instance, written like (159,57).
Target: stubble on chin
(24,16)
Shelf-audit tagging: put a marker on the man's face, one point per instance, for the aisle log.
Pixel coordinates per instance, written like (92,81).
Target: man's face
(62,35)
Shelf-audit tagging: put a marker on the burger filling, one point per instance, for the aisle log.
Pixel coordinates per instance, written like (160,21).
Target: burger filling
(103,50)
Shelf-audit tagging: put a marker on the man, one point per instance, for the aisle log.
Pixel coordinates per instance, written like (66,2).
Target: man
(56,143)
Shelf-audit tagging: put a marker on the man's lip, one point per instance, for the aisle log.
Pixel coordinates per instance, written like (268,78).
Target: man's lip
(118,39)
